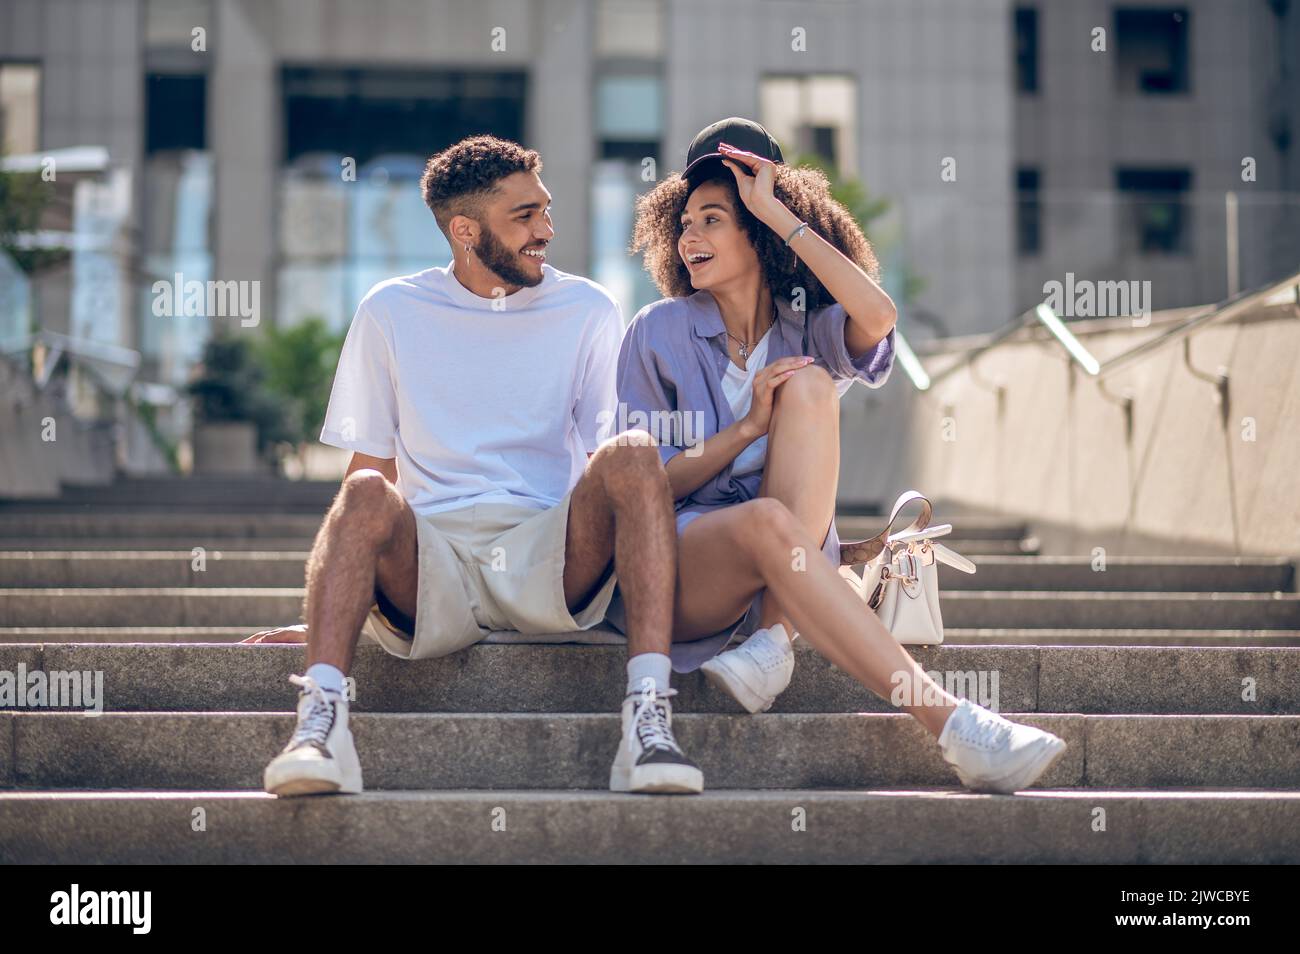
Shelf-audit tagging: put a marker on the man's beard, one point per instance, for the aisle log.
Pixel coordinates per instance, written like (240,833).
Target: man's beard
(502,262)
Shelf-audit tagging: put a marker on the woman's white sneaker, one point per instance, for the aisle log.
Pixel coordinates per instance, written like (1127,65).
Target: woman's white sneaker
(993,754)
(756,671)
(321,757)
(649,758)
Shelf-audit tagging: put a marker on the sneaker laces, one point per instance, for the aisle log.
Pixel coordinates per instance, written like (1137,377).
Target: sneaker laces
(650,724)
(983,731)
(315,726)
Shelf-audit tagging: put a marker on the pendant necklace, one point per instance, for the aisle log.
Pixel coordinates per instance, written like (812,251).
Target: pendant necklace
(743,346)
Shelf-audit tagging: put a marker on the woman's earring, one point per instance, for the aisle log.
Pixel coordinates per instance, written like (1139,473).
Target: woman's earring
(467,249)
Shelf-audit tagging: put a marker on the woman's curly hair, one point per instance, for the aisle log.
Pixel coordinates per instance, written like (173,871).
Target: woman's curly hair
(804,190)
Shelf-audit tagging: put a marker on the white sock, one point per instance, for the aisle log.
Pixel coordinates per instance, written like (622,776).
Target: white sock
(653,666)
(327,677)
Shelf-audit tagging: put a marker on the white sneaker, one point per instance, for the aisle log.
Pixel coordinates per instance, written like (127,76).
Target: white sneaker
(756,671)
(649,758)
(321,757)
(993,754)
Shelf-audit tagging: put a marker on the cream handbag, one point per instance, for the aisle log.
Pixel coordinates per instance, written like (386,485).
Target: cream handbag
(900,579)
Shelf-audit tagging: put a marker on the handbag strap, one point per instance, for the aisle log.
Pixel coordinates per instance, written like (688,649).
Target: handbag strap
(864,551)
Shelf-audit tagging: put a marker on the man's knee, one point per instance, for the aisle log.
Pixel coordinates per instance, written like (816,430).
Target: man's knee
(629,463)
(369,505)
(809,388)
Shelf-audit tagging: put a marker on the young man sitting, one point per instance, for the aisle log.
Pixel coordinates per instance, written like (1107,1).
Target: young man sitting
(480,495)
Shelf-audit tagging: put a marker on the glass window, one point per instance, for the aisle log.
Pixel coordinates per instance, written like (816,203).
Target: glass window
(629,130)
(337,238)
(814,114)
(171,23)
(20,108)
(1029,211)
(176,207)
(632,29)
(629,108)
(368,113)
(1151,50)
(175,112)
(1026,49)
(1157,216)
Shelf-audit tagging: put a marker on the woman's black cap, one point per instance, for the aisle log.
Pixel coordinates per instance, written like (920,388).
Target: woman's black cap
(742,133)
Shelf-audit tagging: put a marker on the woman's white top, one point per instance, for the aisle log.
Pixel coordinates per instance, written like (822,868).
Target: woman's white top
(738,386)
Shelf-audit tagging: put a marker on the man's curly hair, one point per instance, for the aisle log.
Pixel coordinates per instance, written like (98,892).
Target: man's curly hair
(456,180)
(804,190)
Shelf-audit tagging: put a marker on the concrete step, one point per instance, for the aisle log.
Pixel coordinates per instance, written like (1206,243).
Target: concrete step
(953,636)
(226,750)
(971,609)
(185,543)
(195,529)
(232,492)
(144,568)
(974,549)
(168,606)
(1126,574)
(977,609)
(963,636)
(882,826)
(18,521)
(565,678)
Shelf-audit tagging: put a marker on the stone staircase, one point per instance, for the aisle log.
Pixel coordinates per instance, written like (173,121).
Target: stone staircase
(1175,681)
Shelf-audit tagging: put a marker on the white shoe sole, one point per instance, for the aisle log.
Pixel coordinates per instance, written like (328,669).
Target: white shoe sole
(718,671)
(299,776)
(661,778)
(1051,751)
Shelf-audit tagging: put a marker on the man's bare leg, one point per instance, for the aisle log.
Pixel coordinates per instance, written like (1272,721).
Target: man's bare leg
(368,537)
(622,508)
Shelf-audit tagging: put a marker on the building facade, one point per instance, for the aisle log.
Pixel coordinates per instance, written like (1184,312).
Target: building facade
(279,142)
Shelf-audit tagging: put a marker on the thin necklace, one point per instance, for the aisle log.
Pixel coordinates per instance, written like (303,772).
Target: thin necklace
(744,345)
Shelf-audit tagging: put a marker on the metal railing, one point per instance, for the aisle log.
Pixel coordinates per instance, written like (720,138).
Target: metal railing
(1228,308)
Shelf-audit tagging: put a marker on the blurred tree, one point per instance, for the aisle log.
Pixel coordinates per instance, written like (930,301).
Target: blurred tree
(230,385)
(300,362)
(853,195)
(23,199)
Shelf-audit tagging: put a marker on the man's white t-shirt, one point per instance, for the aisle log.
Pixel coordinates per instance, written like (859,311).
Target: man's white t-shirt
(478,399)
(738,387)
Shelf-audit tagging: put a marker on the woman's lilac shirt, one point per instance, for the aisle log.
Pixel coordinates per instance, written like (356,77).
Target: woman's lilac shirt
(673,359)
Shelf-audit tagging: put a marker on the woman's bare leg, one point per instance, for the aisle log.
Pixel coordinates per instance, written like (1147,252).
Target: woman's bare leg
(802,465)
(726,556)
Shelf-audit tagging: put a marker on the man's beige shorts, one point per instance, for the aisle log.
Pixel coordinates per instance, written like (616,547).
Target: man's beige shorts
(487,567)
